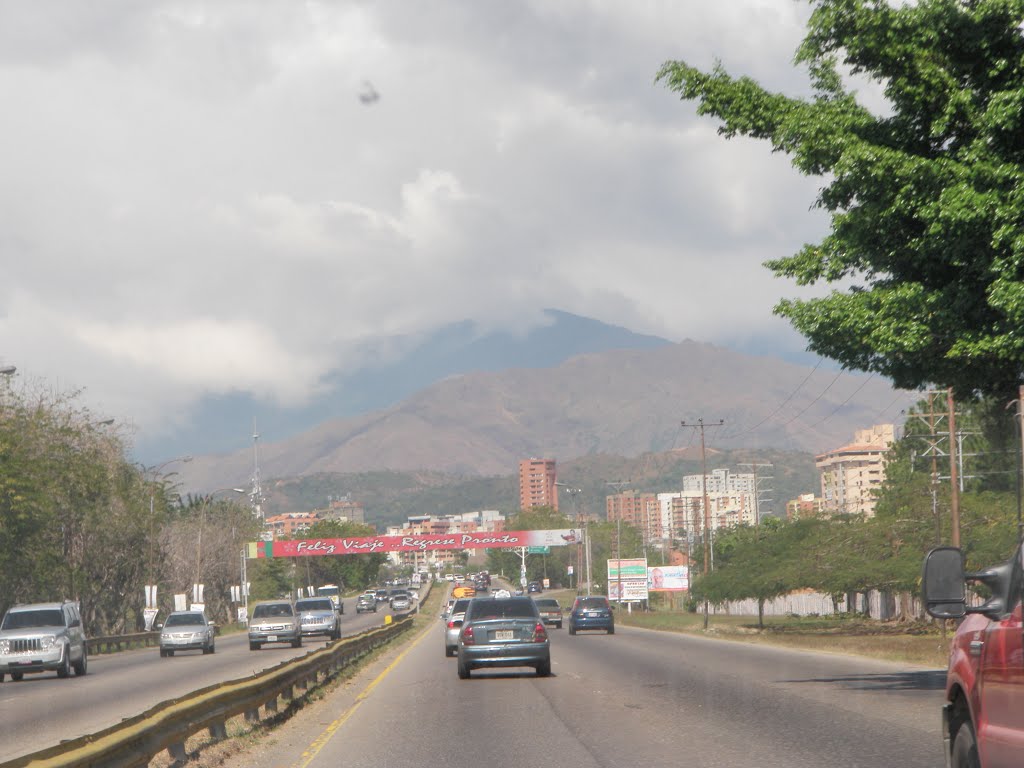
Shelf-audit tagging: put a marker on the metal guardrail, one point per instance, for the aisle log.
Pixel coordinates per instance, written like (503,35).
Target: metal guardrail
(115,643)
(135,741)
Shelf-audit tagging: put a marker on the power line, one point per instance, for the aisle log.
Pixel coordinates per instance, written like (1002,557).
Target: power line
(781,405)
(826,389)
(836,410)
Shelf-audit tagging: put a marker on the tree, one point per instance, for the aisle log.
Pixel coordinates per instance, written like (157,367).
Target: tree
(347,571)
(926,200)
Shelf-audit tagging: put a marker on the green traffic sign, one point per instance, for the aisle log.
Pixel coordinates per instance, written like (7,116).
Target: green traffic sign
(538,550)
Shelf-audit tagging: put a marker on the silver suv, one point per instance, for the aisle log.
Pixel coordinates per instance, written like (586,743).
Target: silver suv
(274,621)
(42,637)
(318,617)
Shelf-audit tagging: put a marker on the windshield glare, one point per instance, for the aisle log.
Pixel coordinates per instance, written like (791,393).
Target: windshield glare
(271,611)
(53,617)
(315,605)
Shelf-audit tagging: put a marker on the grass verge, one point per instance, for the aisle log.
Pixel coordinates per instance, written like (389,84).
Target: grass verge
(917,642)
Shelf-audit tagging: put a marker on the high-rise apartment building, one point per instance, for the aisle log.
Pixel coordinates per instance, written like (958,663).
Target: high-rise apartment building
(537,484)
(851,475)
(640,510)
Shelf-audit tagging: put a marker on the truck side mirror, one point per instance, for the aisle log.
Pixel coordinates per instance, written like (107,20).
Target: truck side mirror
(943,587)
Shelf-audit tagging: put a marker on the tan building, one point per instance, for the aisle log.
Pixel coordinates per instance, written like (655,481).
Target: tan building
(640,510)
(851,475)
(344,509)
(537,484)
(290,523)
(805,506)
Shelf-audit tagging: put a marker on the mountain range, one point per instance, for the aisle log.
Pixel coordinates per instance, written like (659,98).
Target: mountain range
(624,402)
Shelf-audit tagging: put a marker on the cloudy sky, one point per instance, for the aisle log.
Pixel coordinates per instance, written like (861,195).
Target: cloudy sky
(204,198)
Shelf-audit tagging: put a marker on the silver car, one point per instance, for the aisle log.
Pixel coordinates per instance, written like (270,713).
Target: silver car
(186,631)
(454,625)
(503,632)
(401,603)
(42,637)
(274,621)
(318,617)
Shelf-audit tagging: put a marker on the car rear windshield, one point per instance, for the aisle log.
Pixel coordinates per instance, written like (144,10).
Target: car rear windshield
(184,619)
(460,605)
(593,602)
(268,611)
(48,617)
(546,602)
(324,604)
(482,610)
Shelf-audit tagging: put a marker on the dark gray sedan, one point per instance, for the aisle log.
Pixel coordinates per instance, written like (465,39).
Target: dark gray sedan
(503,632)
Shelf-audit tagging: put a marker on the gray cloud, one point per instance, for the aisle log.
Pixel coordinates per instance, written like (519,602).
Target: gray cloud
(195,201)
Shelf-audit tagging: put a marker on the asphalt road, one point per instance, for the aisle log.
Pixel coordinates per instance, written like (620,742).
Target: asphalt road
(42,709)
(637,698)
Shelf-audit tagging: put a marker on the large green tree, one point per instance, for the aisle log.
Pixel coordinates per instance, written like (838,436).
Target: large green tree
(926,197)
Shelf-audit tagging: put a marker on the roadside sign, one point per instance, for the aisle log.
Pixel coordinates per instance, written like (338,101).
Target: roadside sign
(538,550)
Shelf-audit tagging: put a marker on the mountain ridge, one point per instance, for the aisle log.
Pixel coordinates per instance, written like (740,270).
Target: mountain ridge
(622,402)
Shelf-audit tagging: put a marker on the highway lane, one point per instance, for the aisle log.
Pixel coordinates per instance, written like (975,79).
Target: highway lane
(43,710)
(634,698)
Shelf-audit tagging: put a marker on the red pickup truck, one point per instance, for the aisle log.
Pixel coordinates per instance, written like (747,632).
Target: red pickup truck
(983,718)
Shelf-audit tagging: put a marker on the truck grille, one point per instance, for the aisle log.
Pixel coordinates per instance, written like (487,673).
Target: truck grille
(25,645)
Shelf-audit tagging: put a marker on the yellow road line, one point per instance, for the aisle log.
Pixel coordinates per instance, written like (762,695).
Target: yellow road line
(321,741)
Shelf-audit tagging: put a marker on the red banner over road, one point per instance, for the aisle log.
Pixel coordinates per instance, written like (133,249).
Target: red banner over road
(413,543)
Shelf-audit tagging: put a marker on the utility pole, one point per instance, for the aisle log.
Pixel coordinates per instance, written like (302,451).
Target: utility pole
(932,419)
(954,489)
(707,508)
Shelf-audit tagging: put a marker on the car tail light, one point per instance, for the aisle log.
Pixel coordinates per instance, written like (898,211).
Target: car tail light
(467,636)
(539,633)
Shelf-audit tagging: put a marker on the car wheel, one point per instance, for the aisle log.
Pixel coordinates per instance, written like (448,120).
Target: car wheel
(208,649)
(254,646)
(464,671)
(544,669)
(558,625)
(965,748)
(572,630)
(17,676)
(82,665)
(170,653)
(163,653)
(64,670)
(2,675)
(449,651)
(611,630)
(297,642)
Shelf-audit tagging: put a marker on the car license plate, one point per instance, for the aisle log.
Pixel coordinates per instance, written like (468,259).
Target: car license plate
(271,638)
(504,634)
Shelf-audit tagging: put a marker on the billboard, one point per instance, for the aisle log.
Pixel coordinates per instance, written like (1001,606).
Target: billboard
(414,543)
(668,578)
(627,579)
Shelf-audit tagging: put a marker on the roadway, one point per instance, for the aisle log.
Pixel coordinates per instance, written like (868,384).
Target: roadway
(635,698)
(42,709)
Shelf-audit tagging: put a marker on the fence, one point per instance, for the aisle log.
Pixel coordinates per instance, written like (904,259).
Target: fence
(876,604)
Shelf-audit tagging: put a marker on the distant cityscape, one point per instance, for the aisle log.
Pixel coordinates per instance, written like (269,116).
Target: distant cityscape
(849,476)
